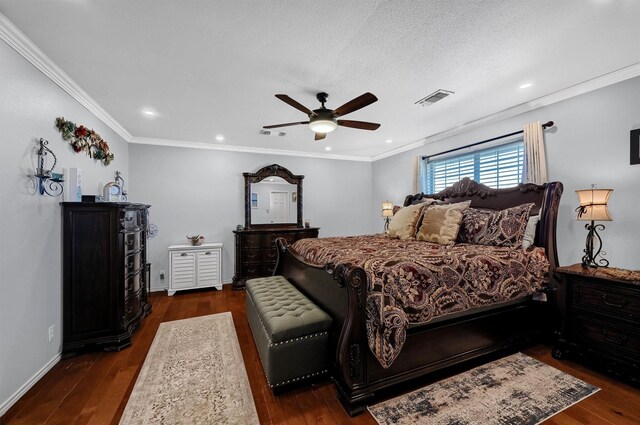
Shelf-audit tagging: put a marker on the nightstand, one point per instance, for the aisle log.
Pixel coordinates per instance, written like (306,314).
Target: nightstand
(600,318)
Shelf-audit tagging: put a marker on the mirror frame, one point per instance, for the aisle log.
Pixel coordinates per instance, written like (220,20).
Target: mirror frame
(273,170)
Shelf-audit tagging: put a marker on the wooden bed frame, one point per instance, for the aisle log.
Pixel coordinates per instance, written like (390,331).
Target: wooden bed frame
(432,347)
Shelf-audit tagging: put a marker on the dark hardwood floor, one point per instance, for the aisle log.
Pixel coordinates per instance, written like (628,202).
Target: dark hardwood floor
(93,388)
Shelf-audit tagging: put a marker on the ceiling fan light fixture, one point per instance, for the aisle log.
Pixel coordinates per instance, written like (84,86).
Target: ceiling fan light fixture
(323,125)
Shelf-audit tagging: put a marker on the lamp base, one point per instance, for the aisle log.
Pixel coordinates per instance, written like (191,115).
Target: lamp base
(386,224)
(594,243)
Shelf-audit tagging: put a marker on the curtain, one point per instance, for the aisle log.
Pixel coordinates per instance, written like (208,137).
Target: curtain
(416,175)
(535,160)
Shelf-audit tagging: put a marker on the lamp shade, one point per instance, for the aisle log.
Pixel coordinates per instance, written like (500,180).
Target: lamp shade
(593,204)
(387,209)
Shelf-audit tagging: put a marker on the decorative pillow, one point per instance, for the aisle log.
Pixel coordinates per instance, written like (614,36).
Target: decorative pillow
(506,227)
(530,231)
(403,224)
(473,223)
(441,223)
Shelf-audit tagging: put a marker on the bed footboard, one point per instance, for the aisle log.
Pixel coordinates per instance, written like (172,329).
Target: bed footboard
(342,294)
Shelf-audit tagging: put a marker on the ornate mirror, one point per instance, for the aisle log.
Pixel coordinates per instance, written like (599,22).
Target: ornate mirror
(273,198)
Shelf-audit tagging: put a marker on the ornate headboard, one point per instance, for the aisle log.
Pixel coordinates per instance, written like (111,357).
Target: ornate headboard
(546,198)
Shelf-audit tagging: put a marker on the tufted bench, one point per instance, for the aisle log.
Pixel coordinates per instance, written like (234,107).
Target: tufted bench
(290,331)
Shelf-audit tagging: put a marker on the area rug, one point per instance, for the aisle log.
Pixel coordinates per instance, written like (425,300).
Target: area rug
(193,374)
(513,390)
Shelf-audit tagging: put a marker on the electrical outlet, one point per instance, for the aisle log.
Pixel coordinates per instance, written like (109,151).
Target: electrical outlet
(51,332)
(161,274)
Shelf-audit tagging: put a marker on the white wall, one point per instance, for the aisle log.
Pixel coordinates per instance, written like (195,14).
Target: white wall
(196,191)
(589,145)
(30,225)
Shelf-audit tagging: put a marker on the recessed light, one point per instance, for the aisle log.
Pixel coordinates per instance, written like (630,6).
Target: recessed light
(328,148)
(526,85)
(388,141)
(220,138)
(149,113)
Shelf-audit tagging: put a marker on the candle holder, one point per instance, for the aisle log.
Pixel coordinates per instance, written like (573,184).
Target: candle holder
(48,182)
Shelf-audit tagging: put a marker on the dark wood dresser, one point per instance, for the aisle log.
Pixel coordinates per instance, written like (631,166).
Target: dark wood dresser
(104,274)
(600,319)
(256,253)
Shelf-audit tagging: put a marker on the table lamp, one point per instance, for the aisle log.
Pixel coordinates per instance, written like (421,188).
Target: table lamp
(593,207)
(387,213)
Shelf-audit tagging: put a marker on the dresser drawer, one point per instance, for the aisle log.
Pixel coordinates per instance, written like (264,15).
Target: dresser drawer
(270,255)
(132,285)
(251,255)
(132,263)
(603,336)
(131,220)
(132,242)
(132,306)
(251,270)
(608,299)
(270,239)
(250,241)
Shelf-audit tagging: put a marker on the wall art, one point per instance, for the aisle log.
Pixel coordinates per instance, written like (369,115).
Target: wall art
(84,139)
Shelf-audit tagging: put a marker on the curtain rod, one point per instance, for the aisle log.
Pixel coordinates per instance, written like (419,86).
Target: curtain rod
(544,127)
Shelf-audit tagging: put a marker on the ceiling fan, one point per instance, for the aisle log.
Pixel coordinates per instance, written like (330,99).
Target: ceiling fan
(323,120)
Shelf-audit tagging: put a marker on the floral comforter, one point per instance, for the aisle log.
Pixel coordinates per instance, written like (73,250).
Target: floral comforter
(413,282)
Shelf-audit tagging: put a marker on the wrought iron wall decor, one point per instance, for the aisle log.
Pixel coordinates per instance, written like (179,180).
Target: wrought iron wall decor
(48,182)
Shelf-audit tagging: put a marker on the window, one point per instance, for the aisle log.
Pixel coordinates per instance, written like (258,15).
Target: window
(497,167)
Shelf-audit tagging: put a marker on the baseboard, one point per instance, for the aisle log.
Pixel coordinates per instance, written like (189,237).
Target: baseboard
(164,288)
(6,405)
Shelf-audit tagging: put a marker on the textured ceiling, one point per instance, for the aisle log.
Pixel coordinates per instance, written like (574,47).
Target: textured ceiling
(213,67)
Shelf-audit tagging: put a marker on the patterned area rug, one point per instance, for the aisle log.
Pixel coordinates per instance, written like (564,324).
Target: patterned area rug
(513,390)
(193,374)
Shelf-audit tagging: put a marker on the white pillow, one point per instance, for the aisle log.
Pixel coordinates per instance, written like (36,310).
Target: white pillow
(530,231)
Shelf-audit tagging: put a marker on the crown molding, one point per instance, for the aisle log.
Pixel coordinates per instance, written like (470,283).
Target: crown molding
(11,35)
(244,149)
(596,83)
(399,150)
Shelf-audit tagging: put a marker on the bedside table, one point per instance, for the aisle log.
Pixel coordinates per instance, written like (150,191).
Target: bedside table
(600,318)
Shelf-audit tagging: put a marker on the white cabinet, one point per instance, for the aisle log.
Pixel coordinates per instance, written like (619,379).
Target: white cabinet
(192,267)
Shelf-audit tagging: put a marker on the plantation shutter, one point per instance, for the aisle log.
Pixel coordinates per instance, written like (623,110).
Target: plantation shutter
(497,167)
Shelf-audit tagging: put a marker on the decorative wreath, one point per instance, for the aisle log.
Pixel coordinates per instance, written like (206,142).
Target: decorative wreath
(83,139)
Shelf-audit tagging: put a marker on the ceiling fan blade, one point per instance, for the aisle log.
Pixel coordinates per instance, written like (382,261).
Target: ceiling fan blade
(355,104)
(285,125)
(362,125)
(286,99)
(320,136)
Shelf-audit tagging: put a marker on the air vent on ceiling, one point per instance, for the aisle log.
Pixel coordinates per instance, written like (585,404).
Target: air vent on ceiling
(434,97)
(272,133)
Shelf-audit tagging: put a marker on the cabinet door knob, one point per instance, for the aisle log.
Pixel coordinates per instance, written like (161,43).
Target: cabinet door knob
(207,253)
(184,254)
(611,304)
